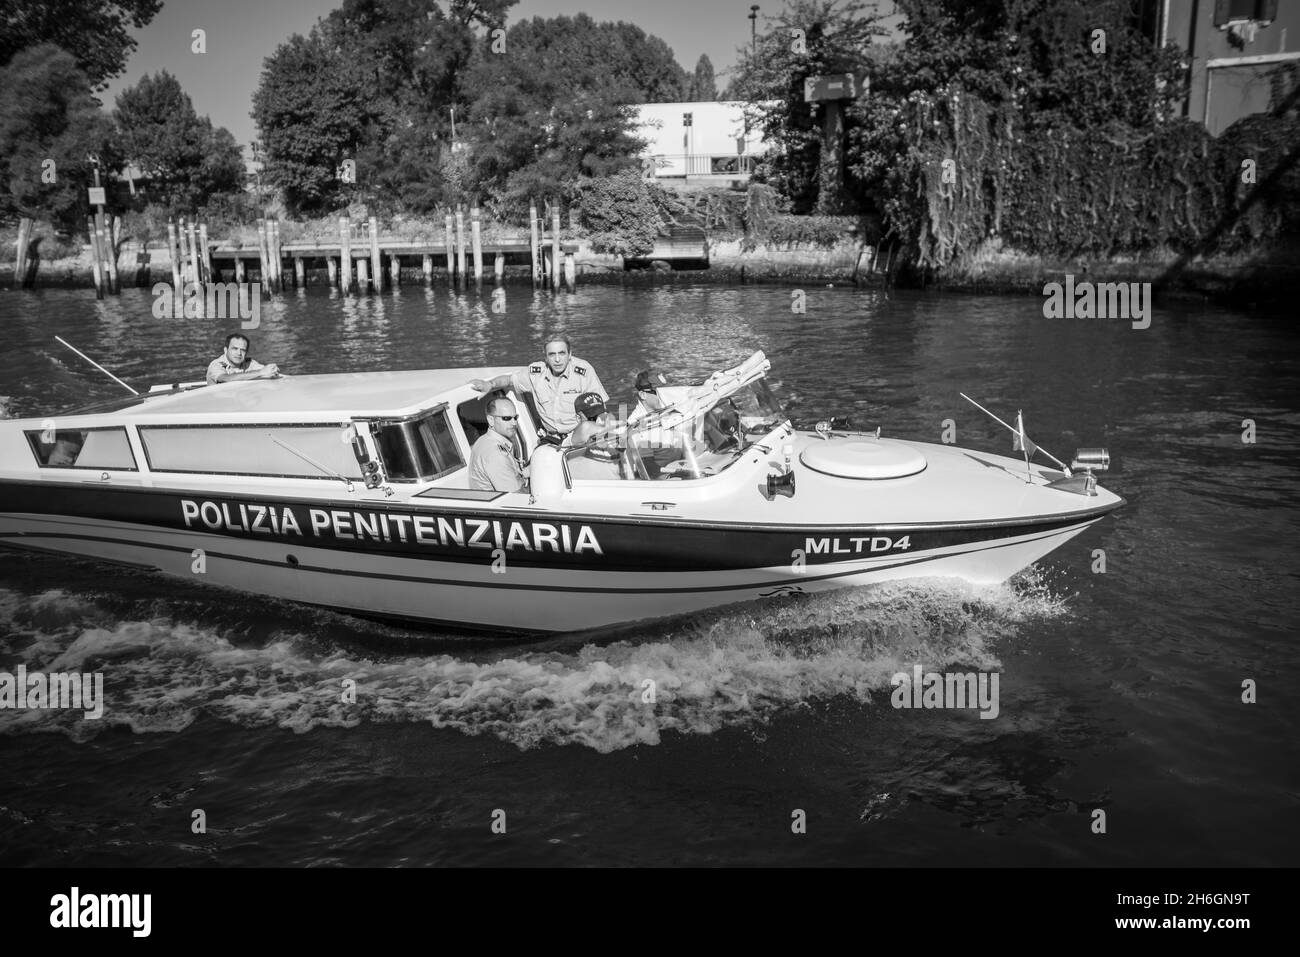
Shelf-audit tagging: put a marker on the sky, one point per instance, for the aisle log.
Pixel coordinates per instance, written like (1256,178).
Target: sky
(240,34)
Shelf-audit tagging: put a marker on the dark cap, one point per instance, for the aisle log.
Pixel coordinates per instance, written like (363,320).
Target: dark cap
(648,380)
(589,405)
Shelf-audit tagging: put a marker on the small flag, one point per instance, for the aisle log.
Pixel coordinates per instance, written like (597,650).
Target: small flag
(1022,443)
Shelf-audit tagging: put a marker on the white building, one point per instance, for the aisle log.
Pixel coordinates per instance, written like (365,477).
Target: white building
(706,142)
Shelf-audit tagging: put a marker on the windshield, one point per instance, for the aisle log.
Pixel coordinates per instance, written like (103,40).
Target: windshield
(668,445)
(419,449)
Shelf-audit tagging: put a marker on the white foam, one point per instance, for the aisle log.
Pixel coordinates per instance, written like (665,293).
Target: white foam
(733,667)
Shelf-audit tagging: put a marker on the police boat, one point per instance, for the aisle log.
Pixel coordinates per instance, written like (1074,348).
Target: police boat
(351,491)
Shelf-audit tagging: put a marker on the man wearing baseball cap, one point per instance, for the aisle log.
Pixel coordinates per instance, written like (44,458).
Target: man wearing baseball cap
(598,459)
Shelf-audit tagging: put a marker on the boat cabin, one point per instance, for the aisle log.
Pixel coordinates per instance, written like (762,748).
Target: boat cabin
(395,432)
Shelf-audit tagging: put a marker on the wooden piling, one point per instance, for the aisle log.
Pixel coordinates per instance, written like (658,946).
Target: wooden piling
(299,273)
(174,250)
(333,270)
(394,270)
(191,249)
(476,237)
(273,254)
(96,260)
(110,259)
(205,253)
(499,267)
(240,274)
(20,263)
(555,246)
(279,258)
(345,259)
(570,272)
(272,261)
(461,272)
(376,264)
(363,274)
(534,257)
(263,257)
(428,269)
(182,256)
(451,248)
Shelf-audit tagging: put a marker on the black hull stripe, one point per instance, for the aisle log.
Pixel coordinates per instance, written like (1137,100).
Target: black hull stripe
(435,507)
(774,583)
(599,543)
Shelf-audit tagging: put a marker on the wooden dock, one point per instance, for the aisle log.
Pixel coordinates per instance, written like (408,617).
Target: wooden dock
(359,258)
(245,263)
(362,253)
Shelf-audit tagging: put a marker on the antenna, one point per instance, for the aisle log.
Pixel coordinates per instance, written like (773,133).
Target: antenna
(311,461)
(97,366)
(1014,431)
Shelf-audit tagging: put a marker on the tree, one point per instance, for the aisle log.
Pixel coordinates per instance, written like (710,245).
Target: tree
(833,37)
(557,109)
(93,31)
(49,125)
(703,86)
(184,159)
(314,108)
(374,82)
(1039,56)
(623,213)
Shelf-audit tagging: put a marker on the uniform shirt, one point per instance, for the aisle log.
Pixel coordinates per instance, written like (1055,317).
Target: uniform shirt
(554,395)
(492,465)
(223,366)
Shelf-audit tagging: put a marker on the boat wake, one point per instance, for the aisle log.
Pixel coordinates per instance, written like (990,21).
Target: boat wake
(730,667)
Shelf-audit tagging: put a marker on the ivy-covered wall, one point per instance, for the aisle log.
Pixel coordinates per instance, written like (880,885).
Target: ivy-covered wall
(973,173)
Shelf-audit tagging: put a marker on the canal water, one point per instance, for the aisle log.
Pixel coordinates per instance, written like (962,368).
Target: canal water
(1120,691)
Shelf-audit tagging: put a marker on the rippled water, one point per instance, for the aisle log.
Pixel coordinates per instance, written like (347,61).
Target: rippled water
(1119,691)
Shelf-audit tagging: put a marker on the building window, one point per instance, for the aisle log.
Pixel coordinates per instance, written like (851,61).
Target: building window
(82,449)
(1226,11)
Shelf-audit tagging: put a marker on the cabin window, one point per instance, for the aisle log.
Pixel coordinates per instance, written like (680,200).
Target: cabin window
(82,449)
(288,451)
(418,449)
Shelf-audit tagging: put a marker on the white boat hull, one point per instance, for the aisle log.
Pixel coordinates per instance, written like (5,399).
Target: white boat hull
(497,596)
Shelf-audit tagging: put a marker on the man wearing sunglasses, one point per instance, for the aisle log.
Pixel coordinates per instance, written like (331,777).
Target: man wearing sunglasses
(492,463)
(555,384)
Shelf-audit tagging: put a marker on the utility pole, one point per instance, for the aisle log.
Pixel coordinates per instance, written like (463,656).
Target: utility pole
(753,28)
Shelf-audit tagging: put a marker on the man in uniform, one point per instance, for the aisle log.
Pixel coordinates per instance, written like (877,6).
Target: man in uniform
(492,463)
(555,384)
(235,363)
